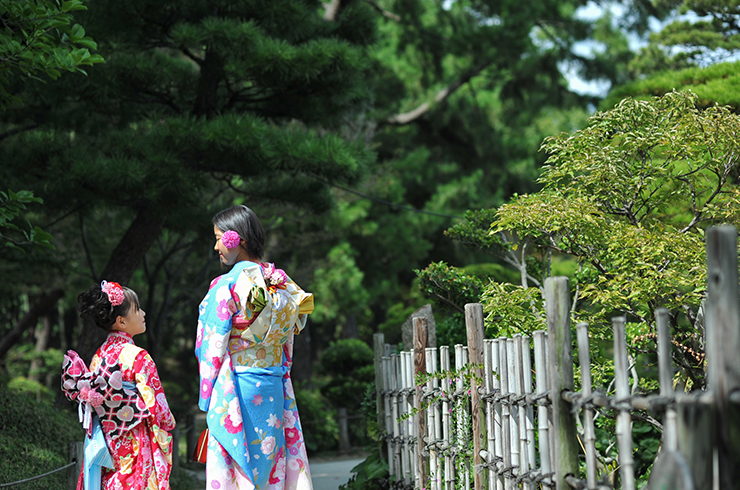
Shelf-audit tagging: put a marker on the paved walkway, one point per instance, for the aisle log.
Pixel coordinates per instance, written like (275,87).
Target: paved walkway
(327,474)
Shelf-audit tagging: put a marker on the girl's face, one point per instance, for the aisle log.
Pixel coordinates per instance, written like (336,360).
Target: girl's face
(227,257)
(134,323)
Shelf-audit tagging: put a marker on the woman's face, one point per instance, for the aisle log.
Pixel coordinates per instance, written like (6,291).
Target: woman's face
(227,257)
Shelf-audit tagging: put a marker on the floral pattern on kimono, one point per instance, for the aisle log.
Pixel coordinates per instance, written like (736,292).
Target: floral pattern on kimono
(246,325)
(142,452)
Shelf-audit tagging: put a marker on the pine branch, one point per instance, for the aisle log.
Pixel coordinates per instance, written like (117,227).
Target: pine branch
(442,95)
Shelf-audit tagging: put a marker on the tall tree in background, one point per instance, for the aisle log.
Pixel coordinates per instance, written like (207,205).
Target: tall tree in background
(192,93)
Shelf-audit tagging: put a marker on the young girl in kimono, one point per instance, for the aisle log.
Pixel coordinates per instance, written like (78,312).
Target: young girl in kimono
(244,347)
(122,405)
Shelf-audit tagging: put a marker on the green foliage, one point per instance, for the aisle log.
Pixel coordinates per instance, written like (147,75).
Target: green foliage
(318,420)
(450,287)
(349,366)
(512,310)
(26,448)
(371,474)
(715,84)
(13,234)
(39,37)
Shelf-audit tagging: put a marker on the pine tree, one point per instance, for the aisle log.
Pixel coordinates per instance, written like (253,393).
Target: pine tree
(193,93)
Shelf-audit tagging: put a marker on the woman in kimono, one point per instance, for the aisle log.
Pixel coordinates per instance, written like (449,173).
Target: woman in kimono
(122,405)
(244,347)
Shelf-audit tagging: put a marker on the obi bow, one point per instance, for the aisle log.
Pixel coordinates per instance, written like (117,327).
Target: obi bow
(117,403)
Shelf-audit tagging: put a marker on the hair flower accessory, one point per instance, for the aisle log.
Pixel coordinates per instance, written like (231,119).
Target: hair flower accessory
(230,239)
(274,277)
(114,292)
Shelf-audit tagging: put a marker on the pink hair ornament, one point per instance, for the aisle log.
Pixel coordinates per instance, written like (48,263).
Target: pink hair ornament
(114,292)
(231,239)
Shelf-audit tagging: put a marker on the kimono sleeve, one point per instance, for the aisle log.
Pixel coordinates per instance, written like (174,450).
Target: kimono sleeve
(214,328)
(149,386)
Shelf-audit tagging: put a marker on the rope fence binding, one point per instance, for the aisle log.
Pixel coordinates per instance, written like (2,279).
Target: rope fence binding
(68,465)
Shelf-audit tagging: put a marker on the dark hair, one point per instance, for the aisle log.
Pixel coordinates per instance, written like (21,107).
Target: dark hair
(242,220)
(95,304)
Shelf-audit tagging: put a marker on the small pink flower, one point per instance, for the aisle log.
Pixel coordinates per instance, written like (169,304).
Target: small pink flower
(206,388)
(230,239)
(257,400)
(291,436)
(230,427)
(267,445)
(222,310)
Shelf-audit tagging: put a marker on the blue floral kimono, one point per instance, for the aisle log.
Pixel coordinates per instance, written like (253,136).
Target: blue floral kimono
(244,347)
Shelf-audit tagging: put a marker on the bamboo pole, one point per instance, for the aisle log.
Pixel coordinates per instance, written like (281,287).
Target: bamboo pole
(498,437)
(723,345)
(665,376)
(410,429)
(474,327)
(488,375)
(387,405)
(589,433)
(527,377)
(461,415)
(420,370)
(446,422)
(513,409)
(378,348)
(505,413)
(434,427)
(557,303)
(396,386)
(543,422)
(521,411)
(624,419)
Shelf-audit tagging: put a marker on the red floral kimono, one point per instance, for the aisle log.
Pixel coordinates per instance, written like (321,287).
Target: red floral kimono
(135,422)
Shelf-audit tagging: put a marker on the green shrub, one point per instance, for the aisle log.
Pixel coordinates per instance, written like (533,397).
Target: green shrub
(34,439)
(318,420)
(349,367)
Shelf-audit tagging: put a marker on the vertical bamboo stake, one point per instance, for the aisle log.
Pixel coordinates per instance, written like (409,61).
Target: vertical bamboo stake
(665,375)
(505,412)
(513,409)
(378,347)
(723,345)
(387,404)
(411,447)
(543,422)
(420,370)
(396,383)
(589,434)
(488,375)
(459,416)
(624,419)
(433,422)
(497,416)
(521,410)
(446,424)
(557,302)
(527,372)
(474,326)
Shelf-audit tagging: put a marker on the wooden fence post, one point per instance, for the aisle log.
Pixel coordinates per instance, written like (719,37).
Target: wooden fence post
(557,303)
(474,326)
(723,345)
(74,453)
(420,368)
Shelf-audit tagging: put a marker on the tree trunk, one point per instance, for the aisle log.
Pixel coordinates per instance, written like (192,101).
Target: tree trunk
(41,306)
(42,341)
(144,229)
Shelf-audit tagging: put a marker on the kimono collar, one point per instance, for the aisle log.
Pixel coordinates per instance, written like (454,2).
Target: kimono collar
(121,337)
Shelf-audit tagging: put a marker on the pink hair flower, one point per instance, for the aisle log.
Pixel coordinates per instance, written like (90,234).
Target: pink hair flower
(230,239)
(114,292)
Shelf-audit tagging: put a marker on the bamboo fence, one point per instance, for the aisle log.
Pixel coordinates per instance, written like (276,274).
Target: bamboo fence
(502,414)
